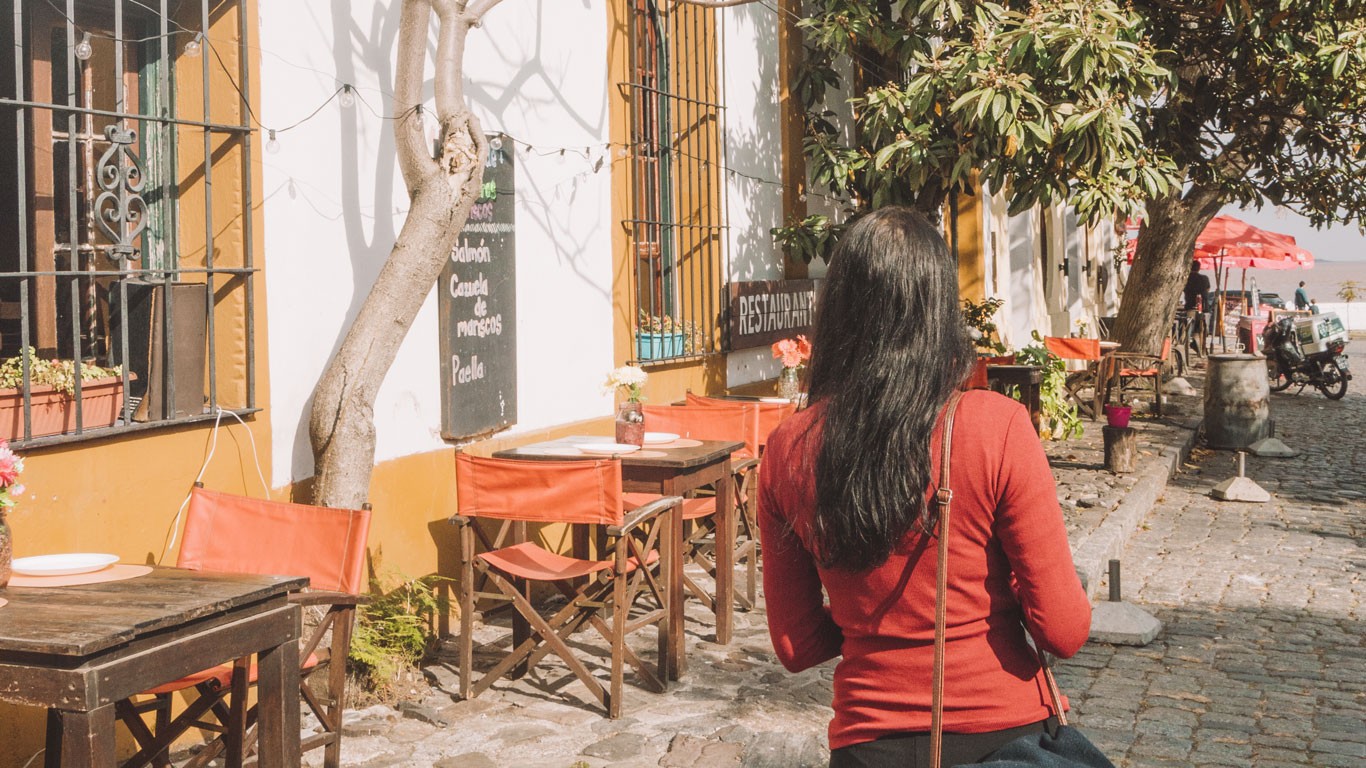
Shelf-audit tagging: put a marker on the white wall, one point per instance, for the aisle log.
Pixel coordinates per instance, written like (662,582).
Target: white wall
(333,202)
(748,66)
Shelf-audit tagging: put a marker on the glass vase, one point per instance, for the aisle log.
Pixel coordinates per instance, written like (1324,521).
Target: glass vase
(6,550)
(789,386)
(630,424)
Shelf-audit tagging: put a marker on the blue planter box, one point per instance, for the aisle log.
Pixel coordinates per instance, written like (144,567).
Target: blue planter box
(659,346)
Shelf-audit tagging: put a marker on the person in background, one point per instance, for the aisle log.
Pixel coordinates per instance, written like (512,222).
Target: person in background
(845,511)
(1313,307)
(1197,286)
(1301,297)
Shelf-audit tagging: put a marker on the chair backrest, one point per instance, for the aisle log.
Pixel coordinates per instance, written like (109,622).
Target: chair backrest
(1166,349)
(1073,349)
(539,491)
(739,422)
(770,414)
(226,532)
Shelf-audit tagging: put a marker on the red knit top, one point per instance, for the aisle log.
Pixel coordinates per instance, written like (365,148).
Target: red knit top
(1008,561)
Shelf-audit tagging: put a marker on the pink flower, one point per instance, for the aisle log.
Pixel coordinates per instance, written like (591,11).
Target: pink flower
(793,352)
(10,465)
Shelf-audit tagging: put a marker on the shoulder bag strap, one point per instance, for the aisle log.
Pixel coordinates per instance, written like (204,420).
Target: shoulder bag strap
(943,496)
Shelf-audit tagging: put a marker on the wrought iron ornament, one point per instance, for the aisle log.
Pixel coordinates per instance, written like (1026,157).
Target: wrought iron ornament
(120,210)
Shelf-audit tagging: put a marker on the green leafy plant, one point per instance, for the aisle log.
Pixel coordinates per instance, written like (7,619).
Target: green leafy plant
(58,374)
(394,632)
(1349,290)
(1061,419)
(978,315)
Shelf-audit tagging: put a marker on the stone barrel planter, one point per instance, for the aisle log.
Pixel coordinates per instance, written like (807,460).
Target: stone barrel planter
(1237,401)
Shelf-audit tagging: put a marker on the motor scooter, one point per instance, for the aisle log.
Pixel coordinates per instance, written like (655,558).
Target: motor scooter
(1288,364)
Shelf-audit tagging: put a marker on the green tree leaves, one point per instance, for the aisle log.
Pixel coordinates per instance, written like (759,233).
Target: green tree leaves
(1035,99)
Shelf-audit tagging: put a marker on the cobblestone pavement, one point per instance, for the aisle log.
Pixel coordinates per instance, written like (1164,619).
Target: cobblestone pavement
(1261,663)
(1262,660)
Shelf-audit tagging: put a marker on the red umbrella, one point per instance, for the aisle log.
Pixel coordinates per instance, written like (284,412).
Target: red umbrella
(1229,243)
(1235,244)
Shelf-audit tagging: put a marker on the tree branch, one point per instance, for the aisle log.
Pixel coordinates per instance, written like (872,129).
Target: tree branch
(415,159)
(450,54)
(714,3)
(476,10)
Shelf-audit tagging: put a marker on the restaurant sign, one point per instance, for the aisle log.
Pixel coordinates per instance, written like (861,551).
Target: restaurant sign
(477,312)
(765,311)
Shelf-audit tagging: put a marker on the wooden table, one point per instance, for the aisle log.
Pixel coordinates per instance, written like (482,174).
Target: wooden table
(78,650)
(680,471)
(1000,378)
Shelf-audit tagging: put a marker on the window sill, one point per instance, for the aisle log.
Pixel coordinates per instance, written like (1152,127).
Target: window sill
(121,429)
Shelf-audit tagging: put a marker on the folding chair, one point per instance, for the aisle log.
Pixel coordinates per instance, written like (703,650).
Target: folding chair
(1126,367)
(1088,351)
(770,414)
(578,493)
(224,532)
(735,421)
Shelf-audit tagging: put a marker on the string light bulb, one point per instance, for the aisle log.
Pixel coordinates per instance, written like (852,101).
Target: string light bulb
(347,99)
(84,50)
(272,144)
(496,143)
(195,45)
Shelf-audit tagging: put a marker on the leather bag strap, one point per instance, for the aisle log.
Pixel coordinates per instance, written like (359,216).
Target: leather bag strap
(944,498)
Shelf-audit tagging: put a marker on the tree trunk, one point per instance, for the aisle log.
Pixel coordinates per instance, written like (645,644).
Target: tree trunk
(1162,261)
(442,190)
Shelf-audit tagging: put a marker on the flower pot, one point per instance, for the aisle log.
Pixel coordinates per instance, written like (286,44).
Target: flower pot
(630,424)
(1118,415)
(54,413)
(659,346)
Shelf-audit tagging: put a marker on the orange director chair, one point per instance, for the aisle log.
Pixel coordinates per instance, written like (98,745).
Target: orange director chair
(1126,368)
(770,414)
(578,493)
(229,533)
(1090,378)
(737,422)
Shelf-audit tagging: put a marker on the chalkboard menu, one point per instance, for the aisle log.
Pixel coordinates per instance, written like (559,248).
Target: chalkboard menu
(478,312)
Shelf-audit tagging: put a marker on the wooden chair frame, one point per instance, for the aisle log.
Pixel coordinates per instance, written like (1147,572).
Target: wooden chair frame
(227,703)
(1122,368)
(700,536)
(632,575)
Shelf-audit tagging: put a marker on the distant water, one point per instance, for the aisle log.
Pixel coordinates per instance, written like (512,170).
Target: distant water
(1322,281)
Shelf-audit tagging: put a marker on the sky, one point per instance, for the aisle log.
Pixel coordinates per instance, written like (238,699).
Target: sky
(1336,243)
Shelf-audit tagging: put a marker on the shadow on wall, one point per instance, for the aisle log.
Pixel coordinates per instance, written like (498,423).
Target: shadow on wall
(370,47)
(753,149)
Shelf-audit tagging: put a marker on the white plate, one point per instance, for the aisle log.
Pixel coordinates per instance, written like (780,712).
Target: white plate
(606,449)
(63,565)
(659,438)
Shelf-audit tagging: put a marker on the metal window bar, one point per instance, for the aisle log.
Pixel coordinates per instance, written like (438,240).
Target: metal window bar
(120,213)
(676,227)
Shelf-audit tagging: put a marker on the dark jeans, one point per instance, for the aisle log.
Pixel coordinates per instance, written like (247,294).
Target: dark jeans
(912,750)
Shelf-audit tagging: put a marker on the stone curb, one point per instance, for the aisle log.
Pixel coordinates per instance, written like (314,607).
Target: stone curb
(1093,553)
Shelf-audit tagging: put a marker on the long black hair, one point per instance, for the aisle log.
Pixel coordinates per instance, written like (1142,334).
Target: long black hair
(890,348)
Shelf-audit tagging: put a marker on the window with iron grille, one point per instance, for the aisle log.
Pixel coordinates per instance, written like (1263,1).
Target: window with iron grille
(677,228)
(125,215)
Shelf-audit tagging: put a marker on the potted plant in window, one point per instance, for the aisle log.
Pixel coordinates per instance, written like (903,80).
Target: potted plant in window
(52,396)
(659,337)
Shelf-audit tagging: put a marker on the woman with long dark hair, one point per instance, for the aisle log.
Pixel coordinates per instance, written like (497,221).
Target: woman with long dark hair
(845,509)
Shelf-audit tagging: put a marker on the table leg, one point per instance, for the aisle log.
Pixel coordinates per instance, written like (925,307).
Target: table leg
(278,707)
(677,658)
(725,557)
(80,739)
